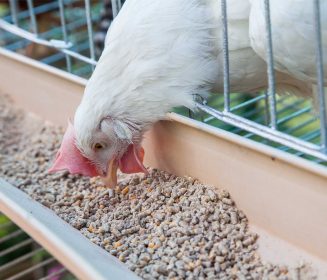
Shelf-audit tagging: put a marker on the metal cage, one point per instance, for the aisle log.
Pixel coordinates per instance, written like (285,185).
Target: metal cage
(284,122)
(21,257)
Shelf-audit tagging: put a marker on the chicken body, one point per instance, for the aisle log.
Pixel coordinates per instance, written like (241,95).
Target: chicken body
(293,35)
(158,55)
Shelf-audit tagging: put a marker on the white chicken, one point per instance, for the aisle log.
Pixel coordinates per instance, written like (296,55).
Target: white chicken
(293,35)
(157,55)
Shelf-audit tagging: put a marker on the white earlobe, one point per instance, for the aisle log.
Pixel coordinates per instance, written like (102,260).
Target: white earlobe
(122,131)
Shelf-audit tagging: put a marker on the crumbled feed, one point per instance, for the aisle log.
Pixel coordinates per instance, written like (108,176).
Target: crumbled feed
(160,225)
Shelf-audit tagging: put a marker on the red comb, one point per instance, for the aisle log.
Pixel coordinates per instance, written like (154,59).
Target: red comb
(70,158)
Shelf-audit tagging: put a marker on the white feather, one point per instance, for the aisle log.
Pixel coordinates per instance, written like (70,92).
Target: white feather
(158,54)
(293,37)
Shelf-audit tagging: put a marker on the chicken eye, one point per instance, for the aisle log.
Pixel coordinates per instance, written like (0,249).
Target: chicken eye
(98,146)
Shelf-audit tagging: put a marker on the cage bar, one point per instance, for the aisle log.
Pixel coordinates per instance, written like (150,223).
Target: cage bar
(320,74)
(32,16)
(270,68)
(116,6)
(58,44)
(89,29)
(226,56)
(13,11)
(16,247)
(11,235)
(22,258)
(265,132)
(64,33)
(24,273)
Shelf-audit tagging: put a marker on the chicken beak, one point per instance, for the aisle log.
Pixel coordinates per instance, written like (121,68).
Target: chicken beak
(111,179)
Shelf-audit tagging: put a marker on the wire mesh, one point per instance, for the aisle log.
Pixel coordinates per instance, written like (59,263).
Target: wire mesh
(284,122)
(22,258)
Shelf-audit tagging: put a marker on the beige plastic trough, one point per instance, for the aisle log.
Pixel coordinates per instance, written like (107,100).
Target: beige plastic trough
(284,197)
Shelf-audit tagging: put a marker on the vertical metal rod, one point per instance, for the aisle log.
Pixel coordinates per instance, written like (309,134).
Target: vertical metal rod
(267,117)
(32,16)
(119,4)
(226,56)
(89,29)
(190,114)
(320,74)
(64,33)
(116,5)
(270,68)
(13,11)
